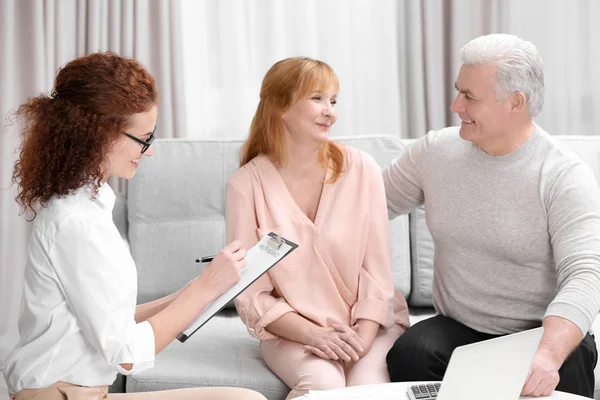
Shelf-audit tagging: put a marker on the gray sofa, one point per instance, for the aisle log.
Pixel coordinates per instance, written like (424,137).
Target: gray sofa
(172,212)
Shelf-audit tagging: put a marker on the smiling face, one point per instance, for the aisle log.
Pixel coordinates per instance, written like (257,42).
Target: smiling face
(126,153)
(485,117)
(311,117)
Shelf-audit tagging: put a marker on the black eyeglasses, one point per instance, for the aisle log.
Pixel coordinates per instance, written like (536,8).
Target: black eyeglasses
(145,143)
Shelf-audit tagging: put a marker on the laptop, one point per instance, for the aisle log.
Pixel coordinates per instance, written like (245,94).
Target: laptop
(494,369)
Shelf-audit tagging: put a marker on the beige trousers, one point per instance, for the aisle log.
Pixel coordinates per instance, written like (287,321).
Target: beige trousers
(303,372)
(67,391)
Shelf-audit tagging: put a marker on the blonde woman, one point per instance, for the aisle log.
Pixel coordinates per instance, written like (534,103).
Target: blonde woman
(327,314)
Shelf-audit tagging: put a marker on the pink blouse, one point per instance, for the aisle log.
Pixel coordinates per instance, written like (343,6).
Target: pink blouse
(341,270)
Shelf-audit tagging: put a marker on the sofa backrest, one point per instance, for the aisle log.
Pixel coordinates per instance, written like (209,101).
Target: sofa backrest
(175,212)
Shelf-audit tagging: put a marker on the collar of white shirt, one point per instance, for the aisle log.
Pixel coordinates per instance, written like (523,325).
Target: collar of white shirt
(105,198)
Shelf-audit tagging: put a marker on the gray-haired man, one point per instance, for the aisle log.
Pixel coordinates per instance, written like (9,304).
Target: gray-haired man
(515,221)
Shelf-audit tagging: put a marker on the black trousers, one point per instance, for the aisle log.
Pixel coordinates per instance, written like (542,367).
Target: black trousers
(422,353)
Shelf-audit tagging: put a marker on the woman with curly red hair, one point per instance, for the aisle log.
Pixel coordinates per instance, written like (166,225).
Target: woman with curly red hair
(79,321)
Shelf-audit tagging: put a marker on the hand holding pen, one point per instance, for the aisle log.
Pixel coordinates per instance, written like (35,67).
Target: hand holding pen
(274,242)
(224,269)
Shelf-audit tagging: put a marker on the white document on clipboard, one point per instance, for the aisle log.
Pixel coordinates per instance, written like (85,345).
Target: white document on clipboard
(271,249)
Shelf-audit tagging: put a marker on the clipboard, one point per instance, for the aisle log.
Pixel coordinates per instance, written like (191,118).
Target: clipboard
(265,254)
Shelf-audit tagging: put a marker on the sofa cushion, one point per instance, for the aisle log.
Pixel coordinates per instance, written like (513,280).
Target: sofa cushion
(176,211)
(587,148)
(421,252)
(221,353)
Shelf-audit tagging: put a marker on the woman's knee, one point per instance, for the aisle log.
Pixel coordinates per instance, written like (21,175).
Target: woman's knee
(251,395)
(321,379)
(375,375)
(318,374)
(197,393)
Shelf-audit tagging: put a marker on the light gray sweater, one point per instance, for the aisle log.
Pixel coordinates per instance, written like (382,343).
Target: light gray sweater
(517,237)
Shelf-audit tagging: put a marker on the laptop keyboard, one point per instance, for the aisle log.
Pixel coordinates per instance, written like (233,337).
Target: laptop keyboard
(425,391)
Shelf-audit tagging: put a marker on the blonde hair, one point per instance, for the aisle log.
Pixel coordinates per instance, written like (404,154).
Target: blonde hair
(286,82)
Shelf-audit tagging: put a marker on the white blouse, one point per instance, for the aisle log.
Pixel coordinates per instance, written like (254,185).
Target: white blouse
(77,314)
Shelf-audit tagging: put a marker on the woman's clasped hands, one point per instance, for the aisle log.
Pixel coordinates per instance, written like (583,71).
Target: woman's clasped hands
(339,342)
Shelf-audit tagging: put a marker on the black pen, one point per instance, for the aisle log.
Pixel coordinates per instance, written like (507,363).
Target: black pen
(205,259)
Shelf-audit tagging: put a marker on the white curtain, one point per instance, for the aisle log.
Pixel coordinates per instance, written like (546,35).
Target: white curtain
(36,38)
(567,34)
(230,44)
(397,60)
(431,34)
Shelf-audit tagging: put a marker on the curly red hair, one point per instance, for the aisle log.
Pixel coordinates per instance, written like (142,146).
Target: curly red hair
(66,137)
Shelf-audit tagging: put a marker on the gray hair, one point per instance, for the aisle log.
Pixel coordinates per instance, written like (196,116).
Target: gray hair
(519,66)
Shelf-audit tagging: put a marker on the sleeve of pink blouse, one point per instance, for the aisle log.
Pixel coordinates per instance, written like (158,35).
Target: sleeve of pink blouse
(256,306)
(375,285)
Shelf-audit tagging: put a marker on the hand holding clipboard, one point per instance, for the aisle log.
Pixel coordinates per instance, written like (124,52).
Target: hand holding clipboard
(271,249)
